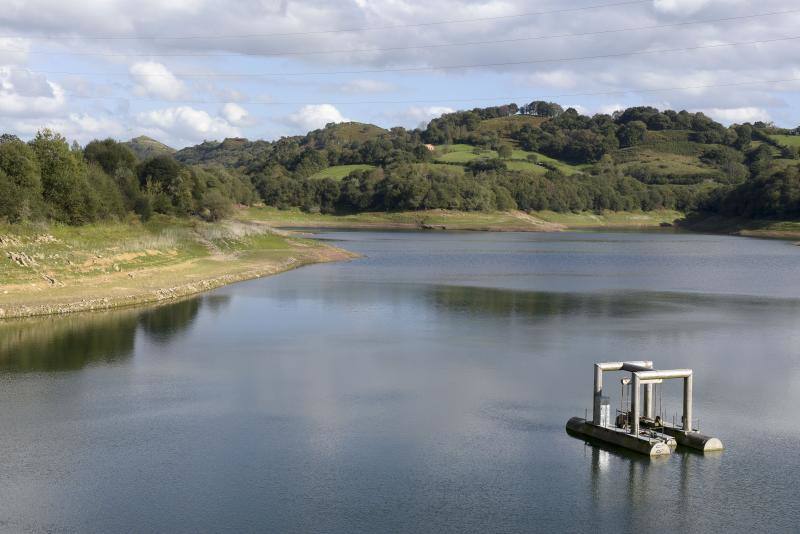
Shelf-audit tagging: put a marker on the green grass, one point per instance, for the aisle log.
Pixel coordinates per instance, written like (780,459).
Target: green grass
(787,140)
(446,166)
(629,219)
(517,165)
(460,157)
(462,154)
(663,163)
(564,167)
(339,172)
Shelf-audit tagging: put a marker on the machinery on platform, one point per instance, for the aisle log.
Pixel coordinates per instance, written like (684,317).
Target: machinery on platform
(639,426)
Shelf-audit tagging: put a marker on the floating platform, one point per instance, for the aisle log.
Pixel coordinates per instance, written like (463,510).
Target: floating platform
(693,440)
(644,443)
(638,429)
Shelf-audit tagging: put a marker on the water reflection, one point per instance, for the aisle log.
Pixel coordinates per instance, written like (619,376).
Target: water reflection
(72,342)
(423,387)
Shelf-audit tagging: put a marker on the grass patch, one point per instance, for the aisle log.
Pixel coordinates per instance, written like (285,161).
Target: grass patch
(625,219)
(527,166)
(663,163)
(339,172)
(57,269)
(462,154)
(787,140)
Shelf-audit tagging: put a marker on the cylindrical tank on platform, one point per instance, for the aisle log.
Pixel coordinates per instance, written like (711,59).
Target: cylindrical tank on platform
(605,412)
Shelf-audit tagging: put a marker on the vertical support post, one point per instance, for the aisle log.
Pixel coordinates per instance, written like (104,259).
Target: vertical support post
(635,383)
(687,404)
(649,407)
(598,394)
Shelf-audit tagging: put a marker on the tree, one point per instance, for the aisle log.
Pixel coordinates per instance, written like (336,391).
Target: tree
(631,134)
(164,177)
(215,206)
(504,151)
(110,155)
(539,108)
(66,190)
(20,183)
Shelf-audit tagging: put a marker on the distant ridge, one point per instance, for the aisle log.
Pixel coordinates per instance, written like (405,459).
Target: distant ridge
(145,147)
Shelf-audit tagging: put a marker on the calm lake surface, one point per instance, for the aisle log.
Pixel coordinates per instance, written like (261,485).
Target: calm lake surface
(423,388)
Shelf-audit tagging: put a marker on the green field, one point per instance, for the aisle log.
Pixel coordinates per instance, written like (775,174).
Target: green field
(662,163)
(339,172)
(787,140)
(463,154)
(619,219)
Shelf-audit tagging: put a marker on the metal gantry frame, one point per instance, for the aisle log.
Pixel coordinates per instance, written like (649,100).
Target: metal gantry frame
(643,374)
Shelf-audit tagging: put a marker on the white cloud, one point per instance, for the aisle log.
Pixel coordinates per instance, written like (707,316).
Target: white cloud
(609,109)
(680,6)
(687,7)
(421,116)
(623,80)
(236,114)
(314,116)
(738,115)
(184,125)
(155,79)
(366,86)
(78,126)
(24,93)
(562,79)
(13,50)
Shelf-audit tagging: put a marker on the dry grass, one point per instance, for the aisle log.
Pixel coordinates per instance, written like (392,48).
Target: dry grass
(54,269)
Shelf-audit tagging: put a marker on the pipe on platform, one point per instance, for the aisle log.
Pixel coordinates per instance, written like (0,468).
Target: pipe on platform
(635,404)
(599,368)
(687,404)
(686,374)
(649,408)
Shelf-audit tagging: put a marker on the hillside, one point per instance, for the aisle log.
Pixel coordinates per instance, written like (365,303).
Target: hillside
(536,157)
(231,152)
(145,147)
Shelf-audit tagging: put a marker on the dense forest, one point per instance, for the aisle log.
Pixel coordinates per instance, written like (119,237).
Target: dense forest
(537,156)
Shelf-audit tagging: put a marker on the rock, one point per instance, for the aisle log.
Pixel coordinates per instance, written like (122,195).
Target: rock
(21,259)
(7,241)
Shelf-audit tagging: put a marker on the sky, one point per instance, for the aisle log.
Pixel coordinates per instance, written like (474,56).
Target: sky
(185,71)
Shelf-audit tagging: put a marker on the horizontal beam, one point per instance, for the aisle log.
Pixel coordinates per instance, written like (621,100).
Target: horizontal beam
(625,366)
(661,375)
(625,381)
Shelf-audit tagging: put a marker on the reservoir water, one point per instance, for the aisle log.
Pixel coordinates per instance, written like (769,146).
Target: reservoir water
(421,388)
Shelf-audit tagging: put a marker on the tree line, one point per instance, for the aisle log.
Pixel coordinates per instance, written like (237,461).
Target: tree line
(47,178)
(747,173)
(418,186)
